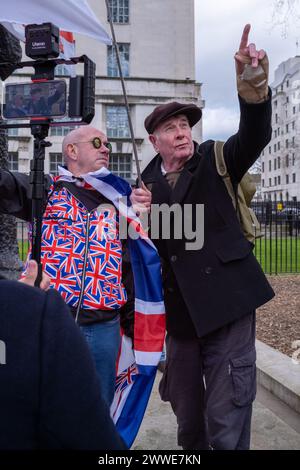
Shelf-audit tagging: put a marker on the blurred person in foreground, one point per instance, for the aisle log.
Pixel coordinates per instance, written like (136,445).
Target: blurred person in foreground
(49,389)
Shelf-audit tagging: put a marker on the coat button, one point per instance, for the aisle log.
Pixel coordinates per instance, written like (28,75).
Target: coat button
(173,258)
(208,270)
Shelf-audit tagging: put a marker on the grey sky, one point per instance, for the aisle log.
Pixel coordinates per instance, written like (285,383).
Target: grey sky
(219,26)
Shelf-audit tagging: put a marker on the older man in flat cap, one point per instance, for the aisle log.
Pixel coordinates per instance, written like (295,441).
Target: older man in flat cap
(211,293)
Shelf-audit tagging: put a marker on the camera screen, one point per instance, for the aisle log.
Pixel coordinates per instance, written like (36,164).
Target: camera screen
(33,100)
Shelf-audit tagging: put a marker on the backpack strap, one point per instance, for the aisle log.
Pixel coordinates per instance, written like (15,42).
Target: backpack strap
(222,171)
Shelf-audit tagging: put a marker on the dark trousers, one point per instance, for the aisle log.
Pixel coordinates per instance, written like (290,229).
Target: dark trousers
(211,384)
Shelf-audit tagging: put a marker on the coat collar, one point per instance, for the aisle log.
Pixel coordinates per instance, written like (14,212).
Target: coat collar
(154,176)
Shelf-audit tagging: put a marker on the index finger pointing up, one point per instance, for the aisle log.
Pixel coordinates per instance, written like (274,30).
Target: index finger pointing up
(244,39)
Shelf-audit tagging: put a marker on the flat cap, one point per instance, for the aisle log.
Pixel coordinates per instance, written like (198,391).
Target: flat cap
(165,111)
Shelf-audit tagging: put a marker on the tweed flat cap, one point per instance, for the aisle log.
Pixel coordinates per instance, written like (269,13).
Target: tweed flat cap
(165,111)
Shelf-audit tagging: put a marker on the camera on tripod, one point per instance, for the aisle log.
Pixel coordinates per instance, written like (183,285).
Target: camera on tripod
(45,99)
(41,101)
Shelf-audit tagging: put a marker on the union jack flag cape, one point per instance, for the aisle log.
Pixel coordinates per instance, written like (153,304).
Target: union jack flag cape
(136,367)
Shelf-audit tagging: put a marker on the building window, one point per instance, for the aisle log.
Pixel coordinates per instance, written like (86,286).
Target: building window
(62,70)
(278,180)
(287,99)
(121,164)
(112,66)
(263,183)
(55,159)
(270,182)
(294,109)
(13,132)
(286,144)
(270,149)
(293,141)
(119,10)
(278,145)
(287,83)
(270,165)
(275,181)
(293,159)
(286,128)
(275,134)
(278,162)
(294,177)
(293,125)
(275,164)
(13,161)
(263,167)
(276,118)
(287,179)
(60,131)
(117,122)
(286,160)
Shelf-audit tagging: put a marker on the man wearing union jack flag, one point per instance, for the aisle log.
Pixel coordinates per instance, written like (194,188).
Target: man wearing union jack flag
(81,250)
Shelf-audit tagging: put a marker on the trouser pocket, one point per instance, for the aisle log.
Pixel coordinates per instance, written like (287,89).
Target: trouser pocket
(163,385)
(243,373)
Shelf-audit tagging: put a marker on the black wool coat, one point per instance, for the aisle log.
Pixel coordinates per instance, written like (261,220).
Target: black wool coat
(207,288)
(49,390)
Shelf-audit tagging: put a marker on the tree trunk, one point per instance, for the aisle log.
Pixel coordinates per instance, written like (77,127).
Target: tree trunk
(10,264)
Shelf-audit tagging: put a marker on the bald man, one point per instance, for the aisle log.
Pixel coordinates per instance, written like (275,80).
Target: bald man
(81,249)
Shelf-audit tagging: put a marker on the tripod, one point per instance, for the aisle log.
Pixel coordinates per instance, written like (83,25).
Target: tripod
(37,181)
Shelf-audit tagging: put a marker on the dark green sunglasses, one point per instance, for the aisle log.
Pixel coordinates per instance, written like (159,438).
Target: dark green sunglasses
(97,142)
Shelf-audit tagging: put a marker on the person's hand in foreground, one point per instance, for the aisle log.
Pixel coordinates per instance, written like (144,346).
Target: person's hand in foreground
(31,275)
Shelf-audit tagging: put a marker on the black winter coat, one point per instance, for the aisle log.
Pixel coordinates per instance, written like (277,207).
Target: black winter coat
(210,287)
(49,389)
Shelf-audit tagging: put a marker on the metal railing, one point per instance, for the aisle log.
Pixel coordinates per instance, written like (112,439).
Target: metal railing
(277,250)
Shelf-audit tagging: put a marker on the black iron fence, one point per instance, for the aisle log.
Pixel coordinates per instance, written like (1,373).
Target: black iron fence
(277,249)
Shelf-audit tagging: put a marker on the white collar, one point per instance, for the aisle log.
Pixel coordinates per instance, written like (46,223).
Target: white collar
(164,171)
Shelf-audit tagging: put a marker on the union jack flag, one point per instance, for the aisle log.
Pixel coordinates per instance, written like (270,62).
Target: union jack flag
(136,368)
(126,378)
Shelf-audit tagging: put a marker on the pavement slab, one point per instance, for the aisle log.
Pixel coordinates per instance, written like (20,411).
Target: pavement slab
(274,426)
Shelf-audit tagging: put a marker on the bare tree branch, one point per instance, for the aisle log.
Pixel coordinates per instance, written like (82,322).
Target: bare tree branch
(285,13)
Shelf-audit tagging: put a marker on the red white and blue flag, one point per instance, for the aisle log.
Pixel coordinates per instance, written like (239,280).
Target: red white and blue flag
(136,367)
(67,50)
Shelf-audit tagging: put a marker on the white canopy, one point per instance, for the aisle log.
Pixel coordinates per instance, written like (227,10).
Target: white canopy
(69,15)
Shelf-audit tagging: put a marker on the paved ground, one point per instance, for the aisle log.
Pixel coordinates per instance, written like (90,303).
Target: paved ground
(275,426)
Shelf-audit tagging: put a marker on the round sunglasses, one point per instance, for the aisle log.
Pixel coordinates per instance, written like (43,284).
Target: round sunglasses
(97,142)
